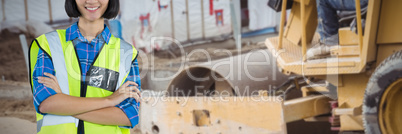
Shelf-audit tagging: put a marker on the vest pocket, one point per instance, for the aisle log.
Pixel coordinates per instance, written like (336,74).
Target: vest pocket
(102,78)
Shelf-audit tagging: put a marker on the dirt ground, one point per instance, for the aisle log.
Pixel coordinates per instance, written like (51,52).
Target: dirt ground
(13,68)
(16,100)
(15,96)
(190,55)
(16,107)
(12,62)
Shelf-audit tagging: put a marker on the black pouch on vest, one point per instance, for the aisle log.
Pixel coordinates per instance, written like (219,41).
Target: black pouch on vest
(277,4)
(102,78)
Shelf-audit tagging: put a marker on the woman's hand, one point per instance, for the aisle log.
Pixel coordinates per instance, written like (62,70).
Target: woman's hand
(124,92)
(50,82)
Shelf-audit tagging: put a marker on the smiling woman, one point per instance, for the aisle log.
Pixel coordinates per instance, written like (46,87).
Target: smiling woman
(91,65)
(92,14)
(112,8)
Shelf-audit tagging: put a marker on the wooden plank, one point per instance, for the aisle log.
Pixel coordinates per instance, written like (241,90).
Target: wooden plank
(172,17)
(3,9)
(26,10)
(49,2)
(306,107)
(226,115)
(348,111)
(256,114)
(202,19)
(188,21)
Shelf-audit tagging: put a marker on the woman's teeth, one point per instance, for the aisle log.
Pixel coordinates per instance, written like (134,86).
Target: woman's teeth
(94,8)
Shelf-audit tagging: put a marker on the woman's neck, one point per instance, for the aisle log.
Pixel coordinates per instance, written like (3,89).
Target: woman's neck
(90,29)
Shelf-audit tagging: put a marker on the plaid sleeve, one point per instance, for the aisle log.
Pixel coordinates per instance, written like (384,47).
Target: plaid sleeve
(41,92)
(129,106)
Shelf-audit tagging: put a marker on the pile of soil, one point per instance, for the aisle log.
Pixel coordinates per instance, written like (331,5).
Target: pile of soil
(12,62)
(164,60)
(22,109)
(16,100)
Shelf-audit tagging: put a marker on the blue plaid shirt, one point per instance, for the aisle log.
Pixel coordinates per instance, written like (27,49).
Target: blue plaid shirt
(86,52)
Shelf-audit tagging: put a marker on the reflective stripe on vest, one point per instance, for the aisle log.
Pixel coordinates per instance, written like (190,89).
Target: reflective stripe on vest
(60,66)
(64,61)
(125,69)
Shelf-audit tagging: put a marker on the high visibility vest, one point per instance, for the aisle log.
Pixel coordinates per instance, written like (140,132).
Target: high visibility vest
(107,73)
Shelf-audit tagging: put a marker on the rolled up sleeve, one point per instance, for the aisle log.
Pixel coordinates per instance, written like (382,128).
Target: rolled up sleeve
(129,106)
(40,92)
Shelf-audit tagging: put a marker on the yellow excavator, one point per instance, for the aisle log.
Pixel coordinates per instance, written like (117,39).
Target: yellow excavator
(367,66)
(363,90)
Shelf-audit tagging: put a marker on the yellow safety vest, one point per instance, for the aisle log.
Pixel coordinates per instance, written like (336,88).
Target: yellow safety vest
(107,73)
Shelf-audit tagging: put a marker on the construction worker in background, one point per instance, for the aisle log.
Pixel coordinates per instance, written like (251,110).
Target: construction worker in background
(328,25)
(85,80)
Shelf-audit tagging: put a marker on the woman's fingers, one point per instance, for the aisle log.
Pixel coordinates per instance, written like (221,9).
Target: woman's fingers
(49,82)
(135,89)
(51,76)
(131,89)
(132,83)
(47,85)
(124,85)
(131,92)
(45,80)
(127,88)
(129,83)
(135,96)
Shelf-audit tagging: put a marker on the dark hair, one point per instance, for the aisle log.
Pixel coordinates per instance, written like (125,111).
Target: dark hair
(111,12)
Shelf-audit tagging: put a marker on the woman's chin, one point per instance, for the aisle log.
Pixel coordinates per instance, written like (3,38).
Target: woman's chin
(92,18)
